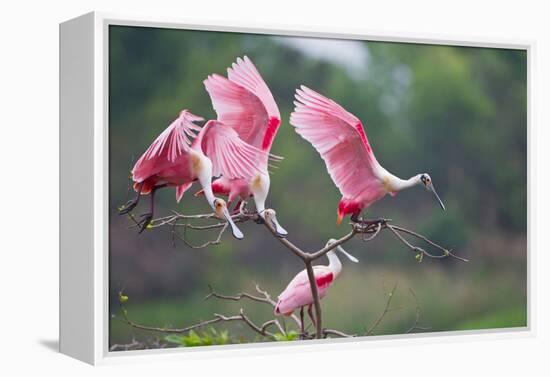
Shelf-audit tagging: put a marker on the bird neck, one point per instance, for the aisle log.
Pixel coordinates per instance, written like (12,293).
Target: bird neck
(334,264)
(398,184)
(204,175)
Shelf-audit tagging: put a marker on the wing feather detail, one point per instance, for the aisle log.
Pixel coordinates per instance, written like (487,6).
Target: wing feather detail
(230,155)
(339,138)
(171,144)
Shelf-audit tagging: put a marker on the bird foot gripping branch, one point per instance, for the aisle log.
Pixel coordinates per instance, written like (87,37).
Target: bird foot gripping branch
(369,226)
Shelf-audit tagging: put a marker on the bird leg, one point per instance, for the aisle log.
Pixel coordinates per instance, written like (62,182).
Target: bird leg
(146,218)
(366,224)
(131,204)
(310,312)
(355,217)
(302,330)
(242,208)
(237,208)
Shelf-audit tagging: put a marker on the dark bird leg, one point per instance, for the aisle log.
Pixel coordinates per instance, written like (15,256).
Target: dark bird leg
(310,312)
(367,223)
(146,218)
(302,329)
(131,204)
(237,208)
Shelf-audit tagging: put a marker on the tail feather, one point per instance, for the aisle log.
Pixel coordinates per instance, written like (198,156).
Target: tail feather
(339,218)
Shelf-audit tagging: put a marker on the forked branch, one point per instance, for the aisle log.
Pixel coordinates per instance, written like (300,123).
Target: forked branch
(368,230)
(261,329)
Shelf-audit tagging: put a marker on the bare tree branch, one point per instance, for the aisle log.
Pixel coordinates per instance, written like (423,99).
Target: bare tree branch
(266,299)
(262,329)
(368,229)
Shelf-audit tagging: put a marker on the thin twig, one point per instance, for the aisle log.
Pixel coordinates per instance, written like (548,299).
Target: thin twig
(217,318)
(266,299)
(237,297)
(337,333)
(417,316)
(387,309)
(446,252)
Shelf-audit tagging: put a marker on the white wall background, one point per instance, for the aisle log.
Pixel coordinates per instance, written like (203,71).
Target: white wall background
(29,188)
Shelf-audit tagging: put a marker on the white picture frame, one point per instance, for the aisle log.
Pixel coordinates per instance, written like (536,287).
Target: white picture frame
(84,314)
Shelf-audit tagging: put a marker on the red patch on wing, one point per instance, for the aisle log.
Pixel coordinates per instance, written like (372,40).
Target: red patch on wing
(272,127)
(359,127)
(324,279)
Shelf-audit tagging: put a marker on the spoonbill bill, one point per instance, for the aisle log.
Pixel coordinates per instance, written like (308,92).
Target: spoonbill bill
(298,292)
(173,159)
(341,141)
(244,102)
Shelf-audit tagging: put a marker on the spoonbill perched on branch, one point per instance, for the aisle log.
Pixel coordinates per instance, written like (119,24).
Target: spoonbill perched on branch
(339,138)
(173,160)
(244,102)
(298,292)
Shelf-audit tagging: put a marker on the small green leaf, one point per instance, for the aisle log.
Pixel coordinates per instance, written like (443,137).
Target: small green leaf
(290,335)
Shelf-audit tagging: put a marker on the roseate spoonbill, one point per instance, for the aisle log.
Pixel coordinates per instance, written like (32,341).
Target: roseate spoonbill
(244,102)
(298,292)
(339,138)
(173,160)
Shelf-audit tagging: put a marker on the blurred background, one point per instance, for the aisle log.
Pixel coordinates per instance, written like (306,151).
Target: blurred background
(457,113)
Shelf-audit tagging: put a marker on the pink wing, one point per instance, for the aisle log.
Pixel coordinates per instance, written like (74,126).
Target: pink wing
(171,144)
(298,291)
(339,138)
(245,103)
(180,190)
(230,156)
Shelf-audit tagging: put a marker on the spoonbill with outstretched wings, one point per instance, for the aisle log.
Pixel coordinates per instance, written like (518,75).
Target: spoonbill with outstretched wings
(339,138)
(244,102)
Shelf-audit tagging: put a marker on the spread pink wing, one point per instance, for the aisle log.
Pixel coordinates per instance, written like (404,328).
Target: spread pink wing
(172,144)
(245,103)
(339,138)
(230,155)
(298,291)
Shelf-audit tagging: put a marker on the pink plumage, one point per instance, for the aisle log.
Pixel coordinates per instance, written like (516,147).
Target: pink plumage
(167,160)
(230,155)
(339,138)
(244,102)
(298,292)
(173,159)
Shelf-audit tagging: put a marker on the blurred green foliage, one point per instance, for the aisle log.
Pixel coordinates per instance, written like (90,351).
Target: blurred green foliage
(458,113)
(207,337)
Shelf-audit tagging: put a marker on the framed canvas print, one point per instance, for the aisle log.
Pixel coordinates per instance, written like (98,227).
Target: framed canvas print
(230,189)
